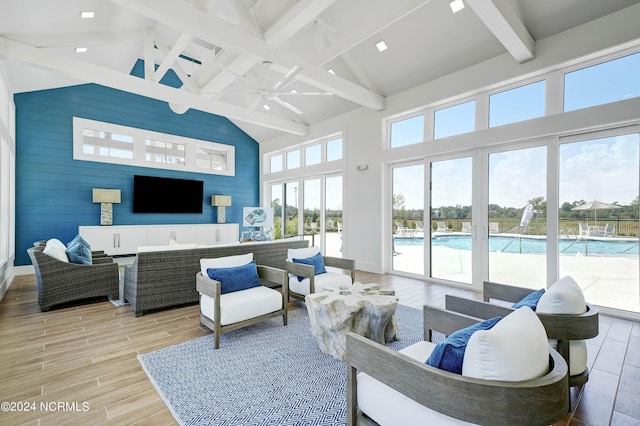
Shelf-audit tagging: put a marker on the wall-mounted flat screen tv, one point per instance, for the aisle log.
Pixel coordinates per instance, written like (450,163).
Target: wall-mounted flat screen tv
(152,194)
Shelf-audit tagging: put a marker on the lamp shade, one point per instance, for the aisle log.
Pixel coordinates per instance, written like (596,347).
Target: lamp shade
(101,195)
(221,200)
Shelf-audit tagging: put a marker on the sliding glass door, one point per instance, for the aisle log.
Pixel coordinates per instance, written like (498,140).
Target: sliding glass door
(598,217)
(333,216)
(408,218)
(452,226)
(517,220)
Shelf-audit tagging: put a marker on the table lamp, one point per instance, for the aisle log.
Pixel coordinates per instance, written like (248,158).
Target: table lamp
(221,201)
(106,198)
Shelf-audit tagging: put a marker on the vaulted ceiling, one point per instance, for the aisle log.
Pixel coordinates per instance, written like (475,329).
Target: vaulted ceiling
(272,66)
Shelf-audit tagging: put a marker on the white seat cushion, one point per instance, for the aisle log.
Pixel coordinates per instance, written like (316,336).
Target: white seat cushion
(389,407)
(577,355)
(515,349)
(242,305)
(333,280)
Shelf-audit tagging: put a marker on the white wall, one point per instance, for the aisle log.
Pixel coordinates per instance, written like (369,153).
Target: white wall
(7,180)
(366,223)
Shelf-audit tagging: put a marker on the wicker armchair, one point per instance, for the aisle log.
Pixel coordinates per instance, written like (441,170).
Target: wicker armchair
(61,282)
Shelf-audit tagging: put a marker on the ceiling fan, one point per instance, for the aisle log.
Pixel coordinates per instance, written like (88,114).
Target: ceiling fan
(267,92)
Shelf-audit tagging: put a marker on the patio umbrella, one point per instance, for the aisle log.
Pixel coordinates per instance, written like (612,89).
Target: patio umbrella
(595,205)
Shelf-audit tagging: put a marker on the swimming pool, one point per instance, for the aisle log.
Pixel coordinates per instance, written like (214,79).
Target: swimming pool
(532,245)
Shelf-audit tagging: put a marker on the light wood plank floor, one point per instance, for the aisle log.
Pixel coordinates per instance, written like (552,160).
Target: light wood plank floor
(80,361)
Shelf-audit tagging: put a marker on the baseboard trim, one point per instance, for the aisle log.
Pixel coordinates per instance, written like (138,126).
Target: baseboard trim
(24,270)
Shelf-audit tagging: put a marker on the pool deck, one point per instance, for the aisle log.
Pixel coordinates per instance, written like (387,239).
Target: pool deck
(608,281)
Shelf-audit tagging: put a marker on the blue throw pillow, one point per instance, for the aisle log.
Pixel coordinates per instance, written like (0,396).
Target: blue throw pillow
(236,278)
(79,251)
(448,355)
(530,300)
(316,261)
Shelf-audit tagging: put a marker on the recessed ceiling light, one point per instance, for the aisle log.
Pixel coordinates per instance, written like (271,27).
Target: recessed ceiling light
(381,45)
(332,71)
(87,15)
(456,5)
(81,49)
(265,106)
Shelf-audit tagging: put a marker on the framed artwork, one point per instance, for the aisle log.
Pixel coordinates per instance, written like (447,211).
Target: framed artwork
(257,216)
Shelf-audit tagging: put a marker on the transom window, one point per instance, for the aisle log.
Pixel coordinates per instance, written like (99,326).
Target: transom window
(599,84)
(313,153)
(454,120)
(519,104)
(407,131)
(111,143)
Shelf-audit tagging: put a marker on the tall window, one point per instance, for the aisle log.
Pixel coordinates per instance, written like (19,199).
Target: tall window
(333,216)
(598,218)
(408,218)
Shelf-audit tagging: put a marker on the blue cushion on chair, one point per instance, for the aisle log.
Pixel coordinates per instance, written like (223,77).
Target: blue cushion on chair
(236,278)
(448,355)
(79,251)
(530,300)
(316,261)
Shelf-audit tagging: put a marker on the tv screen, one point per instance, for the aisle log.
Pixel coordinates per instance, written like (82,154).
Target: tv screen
(153,194)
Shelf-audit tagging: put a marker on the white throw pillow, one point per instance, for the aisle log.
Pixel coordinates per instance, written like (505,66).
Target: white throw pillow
(515,349)
(563,297)
(225,262)
(56,249)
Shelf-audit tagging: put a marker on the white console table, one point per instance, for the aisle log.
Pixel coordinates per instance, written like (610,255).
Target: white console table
(125,239)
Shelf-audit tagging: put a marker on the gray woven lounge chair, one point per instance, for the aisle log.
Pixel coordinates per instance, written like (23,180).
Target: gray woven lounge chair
(539,401)
(61,282)
(269,277)
(563,327)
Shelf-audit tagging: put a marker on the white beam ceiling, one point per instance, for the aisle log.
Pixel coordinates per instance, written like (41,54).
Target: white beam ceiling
(185,18)
(85,71)
(379,16)
(507,26)
(295,19)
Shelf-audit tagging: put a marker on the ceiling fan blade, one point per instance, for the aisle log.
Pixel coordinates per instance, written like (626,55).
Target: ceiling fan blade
(288,77)
(305,93)
(286,104)
(255,103)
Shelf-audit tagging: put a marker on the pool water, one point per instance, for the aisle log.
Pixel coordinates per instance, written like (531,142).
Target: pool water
(528,245)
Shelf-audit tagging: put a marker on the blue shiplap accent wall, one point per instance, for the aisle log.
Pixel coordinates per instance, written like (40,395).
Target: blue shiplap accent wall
(53,191)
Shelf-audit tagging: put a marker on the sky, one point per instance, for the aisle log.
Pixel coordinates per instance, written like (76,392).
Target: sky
(605,169)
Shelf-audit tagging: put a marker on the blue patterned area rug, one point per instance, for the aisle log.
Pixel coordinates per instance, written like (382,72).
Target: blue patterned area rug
(264,374)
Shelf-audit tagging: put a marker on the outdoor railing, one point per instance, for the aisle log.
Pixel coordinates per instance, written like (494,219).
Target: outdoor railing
(622,227)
